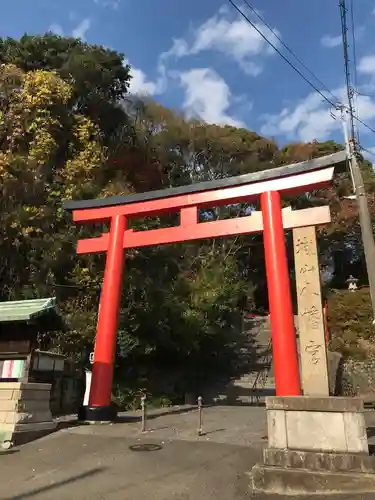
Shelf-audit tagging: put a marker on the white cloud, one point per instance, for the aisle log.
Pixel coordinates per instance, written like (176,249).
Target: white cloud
(360,32)
(141,85)
(311,118)
(234,37)
(331,41)
(207,96)
(57,29)
(81,29)
(113,4)
(365,108)
(366,65)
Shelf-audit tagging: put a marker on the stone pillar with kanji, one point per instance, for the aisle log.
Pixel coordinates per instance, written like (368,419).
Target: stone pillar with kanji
(313,351)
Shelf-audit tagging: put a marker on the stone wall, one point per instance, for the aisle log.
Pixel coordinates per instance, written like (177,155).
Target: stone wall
(24,411)
(350,377)
(356,378)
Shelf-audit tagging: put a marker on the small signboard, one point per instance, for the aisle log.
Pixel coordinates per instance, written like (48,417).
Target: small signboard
(12,368)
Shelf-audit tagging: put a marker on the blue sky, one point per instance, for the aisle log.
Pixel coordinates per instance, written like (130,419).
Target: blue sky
(201,57)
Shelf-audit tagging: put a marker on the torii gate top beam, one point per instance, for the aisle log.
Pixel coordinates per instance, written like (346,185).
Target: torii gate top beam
(291,179)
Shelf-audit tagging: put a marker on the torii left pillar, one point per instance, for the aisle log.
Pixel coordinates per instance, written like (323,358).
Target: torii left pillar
(100,408)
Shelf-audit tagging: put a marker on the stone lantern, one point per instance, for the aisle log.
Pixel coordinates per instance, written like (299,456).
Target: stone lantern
(352,283)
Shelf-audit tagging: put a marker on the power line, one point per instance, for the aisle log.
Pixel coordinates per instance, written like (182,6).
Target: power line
(367,150)
(349,89)
(296,57)
(338,105)
(365,95)
(354,45)
(282,55)
(357,118)
(355,72)
(364,124)
(351,92)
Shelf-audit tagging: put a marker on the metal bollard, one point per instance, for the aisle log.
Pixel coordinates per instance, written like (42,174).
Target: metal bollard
(144,414)
(200,414)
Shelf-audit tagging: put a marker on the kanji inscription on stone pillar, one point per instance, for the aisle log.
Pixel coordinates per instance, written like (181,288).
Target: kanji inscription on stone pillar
(310,313)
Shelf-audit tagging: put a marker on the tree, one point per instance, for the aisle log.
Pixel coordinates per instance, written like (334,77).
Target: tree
(68,129)
(36,250)
(50,152)
(99,80)
(350,323)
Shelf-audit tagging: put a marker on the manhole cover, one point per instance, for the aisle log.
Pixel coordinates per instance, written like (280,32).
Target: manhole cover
(146,447)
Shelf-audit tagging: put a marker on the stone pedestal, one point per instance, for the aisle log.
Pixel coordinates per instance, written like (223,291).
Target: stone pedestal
(315,445)
(24,411)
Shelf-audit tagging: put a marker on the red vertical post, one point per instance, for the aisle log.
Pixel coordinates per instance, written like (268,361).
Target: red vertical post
(284,343)
(105,344)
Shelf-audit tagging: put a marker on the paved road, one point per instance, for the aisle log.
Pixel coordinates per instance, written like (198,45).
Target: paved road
(111,462)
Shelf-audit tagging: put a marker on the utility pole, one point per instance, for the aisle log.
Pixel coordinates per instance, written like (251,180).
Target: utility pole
(363,211)
(352,151)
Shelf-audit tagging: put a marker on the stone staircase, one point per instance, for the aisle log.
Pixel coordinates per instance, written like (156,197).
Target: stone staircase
(256,378)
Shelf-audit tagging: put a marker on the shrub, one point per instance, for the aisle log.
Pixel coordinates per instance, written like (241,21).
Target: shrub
(350,323)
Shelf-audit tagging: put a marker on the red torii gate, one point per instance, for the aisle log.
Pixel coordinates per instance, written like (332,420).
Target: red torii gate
(268,185)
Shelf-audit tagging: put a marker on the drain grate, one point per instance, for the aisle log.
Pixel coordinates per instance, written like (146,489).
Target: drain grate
(146,447)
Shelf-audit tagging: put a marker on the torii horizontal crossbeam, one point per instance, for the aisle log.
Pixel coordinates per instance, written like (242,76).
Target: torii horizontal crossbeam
(192,230)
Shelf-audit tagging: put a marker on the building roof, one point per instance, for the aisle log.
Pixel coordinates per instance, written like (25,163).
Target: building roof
(26,310)
(338,160)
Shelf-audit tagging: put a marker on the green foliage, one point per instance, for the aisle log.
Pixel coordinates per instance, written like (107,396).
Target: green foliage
(350,323)
(185,314)
(97,74)
(68,129)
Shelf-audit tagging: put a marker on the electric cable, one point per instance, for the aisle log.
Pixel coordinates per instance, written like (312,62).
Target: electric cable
(330,102)
(296,57)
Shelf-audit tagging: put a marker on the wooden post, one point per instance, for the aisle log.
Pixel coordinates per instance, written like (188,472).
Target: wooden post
(310,313)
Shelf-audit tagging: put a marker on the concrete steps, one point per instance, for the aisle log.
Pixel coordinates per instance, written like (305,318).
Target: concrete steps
(255,380)
(256,372)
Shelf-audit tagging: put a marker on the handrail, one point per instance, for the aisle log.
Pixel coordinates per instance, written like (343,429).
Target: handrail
(263,374)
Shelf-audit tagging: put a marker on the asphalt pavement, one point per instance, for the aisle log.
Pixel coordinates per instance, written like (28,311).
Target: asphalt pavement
(168,462)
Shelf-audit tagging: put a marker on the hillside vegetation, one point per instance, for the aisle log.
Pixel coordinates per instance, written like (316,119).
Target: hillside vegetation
(70,129)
